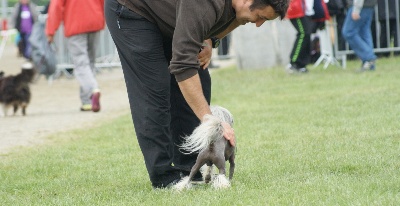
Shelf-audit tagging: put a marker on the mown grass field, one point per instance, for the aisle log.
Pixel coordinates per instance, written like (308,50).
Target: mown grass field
(330,137)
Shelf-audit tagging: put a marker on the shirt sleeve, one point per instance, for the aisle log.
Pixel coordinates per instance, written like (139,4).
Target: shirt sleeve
(54,16)
(358,5)
(194,19)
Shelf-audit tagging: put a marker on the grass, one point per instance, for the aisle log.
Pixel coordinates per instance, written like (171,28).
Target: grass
(330,137)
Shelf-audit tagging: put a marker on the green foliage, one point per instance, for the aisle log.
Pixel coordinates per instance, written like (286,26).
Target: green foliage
(11,3)
(330,137)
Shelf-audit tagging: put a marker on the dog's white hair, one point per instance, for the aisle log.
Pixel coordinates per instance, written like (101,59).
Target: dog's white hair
(209,131)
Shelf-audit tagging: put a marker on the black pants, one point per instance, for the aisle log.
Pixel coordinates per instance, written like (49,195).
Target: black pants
(160,114)
(301,51)
(384,41)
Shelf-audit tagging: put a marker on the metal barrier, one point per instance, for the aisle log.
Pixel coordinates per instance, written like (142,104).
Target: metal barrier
(106,54)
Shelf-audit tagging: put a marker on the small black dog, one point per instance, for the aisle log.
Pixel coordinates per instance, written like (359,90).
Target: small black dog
(214,149)
(15,91)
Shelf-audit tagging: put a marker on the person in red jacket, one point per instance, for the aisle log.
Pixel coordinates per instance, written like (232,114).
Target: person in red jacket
(303,14)
(82,22)
(299,13)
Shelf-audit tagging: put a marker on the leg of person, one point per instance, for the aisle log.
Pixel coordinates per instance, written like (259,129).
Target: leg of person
(368,56)
(78,48)
(301,51)
(394,30)
(93,40)
(22,44)
(140,48)
(27,49)
(384,43)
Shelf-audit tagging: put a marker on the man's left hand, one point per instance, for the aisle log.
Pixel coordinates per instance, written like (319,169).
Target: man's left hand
(204,55)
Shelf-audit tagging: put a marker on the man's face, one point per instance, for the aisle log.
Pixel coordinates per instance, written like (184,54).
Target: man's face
(258,16)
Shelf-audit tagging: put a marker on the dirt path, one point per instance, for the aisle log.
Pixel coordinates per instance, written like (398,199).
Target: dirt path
(55,107)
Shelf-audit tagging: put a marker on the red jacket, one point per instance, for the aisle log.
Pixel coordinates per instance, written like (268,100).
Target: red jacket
(78,16)
(296,9)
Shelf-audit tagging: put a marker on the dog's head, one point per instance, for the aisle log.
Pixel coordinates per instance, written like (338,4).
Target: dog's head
(28,72)
(1,74)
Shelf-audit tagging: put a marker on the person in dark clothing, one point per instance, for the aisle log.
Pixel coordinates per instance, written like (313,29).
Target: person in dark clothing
(337,10)
(389,26)
(23,17)
(165,48)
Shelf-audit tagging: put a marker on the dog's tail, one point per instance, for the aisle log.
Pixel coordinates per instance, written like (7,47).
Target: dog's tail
(206,133)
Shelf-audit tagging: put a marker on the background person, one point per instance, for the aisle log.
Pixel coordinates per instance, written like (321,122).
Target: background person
(82,20)
(392,27)
(357,31)
(24,16)
(299,13)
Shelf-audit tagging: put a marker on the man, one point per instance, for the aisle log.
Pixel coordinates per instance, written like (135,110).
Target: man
(152,36)
(82,22)
(357,31)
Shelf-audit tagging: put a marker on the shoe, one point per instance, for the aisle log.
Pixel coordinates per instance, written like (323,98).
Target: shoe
(197,178)
(292,69)
(96,101)
(86,107)
(169,185)
(302,70)
(367,66)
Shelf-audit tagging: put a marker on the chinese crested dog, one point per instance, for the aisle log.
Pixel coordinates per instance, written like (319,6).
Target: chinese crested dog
(213,148)
(15,91)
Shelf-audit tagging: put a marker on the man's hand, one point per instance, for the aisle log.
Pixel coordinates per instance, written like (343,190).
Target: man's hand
(355,16)
(50,38)
(229,133)
(204,55)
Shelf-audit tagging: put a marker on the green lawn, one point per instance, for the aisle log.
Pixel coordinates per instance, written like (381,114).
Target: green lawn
(330,137)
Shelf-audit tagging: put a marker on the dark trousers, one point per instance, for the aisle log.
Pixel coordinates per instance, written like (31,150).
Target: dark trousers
(301,51)
(385,41)
(160,114)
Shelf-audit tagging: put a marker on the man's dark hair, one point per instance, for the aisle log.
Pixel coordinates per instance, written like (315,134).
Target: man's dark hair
(280,6)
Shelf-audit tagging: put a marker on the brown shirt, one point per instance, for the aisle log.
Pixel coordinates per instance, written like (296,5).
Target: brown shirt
(188,23)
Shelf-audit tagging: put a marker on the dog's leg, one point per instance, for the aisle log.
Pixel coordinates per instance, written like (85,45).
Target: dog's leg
(208,173)
(231,166)
(15,108)
(221,181)
(5,109)
(185,182)
(23,108)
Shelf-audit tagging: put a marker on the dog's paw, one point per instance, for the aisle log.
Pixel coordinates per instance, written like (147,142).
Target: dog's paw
(221,182)
(184,183)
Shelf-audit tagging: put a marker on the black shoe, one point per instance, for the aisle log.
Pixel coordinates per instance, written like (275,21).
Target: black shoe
(169,185)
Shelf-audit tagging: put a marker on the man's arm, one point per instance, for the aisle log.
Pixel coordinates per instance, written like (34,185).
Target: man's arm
(357,6)
(193,94)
